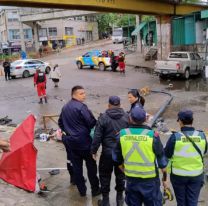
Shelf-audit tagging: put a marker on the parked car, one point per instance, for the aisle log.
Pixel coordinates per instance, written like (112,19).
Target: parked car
(93,59)
(27,67)
(180,64)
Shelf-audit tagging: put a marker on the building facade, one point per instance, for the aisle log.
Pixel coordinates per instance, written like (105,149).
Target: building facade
(67,31)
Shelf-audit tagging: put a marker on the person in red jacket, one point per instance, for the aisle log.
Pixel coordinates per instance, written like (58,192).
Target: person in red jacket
(40,82)
(121,62)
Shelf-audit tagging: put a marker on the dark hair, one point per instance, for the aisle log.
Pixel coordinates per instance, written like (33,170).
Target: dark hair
(135,93)
(54,68)
(187,121)
(75,88)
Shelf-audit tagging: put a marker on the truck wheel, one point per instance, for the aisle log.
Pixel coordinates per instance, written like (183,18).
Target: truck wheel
(79,65)
(26,74)
(102,66)
(187,74)
(91,67)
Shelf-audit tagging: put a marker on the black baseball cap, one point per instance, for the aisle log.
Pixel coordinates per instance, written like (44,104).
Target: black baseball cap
(185,115)
(114,100)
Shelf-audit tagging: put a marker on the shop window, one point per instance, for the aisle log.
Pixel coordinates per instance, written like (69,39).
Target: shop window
(52,31)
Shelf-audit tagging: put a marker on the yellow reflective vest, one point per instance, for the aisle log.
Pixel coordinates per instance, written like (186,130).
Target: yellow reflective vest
(137,151)
(186,161)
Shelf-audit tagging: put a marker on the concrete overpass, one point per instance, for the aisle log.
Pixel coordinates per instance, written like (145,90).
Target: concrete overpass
(53,14)
(162,7)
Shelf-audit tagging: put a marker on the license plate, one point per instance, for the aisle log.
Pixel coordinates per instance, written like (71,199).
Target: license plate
(164,72)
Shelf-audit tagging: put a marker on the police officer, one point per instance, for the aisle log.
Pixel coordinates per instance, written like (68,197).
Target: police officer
(76,120)
(40,82)
(7,67)
(186,149)
(138,149)
(107,129)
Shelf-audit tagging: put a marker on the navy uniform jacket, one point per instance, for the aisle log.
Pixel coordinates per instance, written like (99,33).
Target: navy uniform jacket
(157,149)
(76,120)
(170,145)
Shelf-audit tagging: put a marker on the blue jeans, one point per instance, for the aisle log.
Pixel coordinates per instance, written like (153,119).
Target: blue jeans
(187,189)
(145,191)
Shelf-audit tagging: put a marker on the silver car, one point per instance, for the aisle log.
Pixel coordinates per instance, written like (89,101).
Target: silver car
(27,67)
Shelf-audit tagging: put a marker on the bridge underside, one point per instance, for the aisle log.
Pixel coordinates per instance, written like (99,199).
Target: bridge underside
(122,6)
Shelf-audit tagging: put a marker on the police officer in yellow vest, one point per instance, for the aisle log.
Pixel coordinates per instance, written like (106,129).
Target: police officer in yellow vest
(138,150)
(185,150)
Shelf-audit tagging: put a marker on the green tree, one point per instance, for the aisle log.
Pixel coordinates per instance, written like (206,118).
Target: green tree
(148,18)
(107,21)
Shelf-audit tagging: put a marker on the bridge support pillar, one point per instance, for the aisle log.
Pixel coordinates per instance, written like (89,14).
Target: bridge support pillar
(163,36)
(23,48)
(35,35)
(139,41)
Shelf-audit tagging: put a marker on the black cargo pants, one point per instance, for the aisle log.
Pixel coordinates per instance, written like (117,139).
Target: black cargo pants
(106,167)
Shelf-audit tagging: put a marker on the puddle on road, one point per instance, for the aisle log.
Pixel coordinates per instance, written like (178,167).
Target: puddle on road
(143,69)
(195,83)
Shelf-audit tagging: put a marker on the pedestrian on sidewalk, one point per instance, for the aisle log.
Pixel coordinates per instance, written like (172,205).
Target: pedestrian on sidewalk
(107,129)
(40,50)
(139,152)
(55,75)
(185,151)
(7,67)
(76,120)
(135,99)
(121,62)
(40,83)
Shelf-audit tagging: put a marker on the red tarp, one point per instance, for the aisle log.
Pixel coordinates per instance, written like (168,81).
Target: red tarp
(18,167)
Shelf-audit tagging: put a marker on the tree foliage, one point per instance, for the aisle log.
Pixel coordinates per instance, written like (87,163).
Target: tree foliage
(106,21)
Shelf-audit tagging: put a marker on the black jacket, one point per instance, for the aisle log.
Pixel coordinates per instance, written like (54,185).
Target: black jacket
(107,130)
(76,120)
(6,66)
(136,104)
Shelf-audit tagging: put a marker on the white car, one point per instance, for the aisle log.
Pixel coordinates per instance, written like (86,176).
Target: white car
(27,67)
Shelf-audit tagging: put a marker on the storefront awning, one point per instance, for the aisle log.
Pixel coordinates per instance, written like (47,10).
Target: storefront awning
(204,14)
(138,28)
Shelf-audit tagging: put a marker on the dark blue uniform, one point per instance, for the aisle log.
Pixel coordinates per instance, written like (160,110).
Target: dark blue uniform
(142,190)
(76,120)
(186,189)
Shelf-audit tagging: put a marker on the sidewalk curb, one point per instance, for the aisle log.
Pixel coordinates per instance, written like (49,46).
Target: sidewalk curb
(139,66)
(80,47)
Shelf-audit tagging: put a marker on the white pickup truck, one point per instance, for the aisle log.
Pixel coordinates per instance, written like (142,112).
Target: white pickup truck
(180,64)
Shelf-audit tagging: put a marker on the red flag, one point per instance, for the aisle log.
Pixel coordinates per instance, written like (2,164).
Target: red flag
(18,167)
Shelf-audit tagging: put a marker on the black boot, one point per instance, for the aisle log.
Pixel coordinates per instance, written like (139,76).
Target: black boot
(41,101)
(104,202)
(45,99)
(119,199)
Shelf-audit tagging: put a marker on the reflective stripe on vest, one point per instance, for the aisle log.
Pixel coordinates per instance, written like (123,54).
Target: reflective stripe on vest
(144,168)
(186,161)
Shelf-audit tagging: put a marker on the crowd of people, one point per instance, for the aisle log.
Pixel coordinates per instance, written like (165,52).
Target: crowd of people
(133,151)
(130,148)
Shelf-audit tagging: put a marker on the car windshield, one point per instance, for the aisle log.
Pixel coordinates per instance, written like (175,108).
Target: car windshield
(178,55)
(117,33)
(17,62)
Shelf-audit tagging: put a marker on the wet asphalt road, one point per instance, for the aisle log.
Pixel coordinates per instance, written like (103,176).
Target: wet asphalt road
(18,99)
